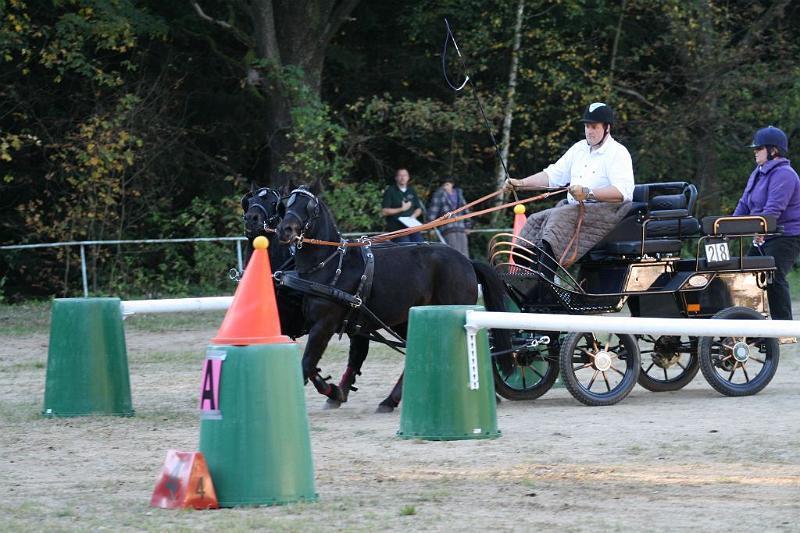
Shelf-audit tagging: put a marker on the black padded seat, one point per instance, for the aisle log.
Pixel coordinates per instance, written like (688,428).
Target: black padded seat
(668,228)
(754,262)
(651,246)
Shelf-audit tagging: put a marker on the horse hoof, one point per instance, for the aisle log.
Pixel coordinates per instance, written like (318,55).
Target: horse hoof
(384,409)
(330,403)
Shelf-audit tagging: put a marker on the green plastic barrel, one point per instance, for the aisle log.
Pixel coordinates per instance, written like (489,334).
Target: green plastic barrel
(256,439)
(442,398)
(87,362)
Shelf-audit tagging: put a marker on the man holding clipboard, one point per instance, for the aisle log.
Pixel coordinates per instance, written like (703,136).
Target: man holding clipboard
(401,206)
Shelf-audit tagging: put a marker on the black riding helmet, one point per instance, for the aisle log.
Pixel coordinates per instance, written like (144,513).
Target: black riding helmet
(771,137)
(598,112)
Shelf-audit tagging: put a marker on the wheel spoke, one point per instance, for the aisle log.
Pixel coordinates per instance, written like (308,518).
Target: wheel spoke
(762,361)
(746,377)
(536,372)
(733,370)
(680,365)
(591,382)
(649,367)
(590,354)
(587,365)
(524,382)
(608,385)
(618,371)
(666,377)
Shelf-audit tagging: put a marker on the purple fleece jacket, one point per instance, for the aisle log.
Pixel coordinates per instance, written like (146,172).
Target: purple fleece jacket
(773,189)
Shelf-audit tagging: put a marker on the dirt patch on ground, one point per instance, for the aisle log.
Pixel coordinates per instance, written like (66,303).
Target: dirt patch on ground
(688,459)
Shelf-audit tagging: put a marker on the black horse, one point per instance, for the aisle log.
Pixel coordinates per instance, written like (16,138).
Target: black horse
(401,276)
(261,214)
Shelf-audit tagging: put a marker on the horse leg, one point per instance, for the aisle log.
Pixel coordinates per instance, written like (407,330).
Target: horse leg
(318,339)
(359,347)
(393,400)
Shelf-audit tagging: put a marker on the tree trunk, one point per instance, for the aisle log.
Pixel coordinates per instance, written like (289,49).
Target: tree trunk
(508,116)
(286,33)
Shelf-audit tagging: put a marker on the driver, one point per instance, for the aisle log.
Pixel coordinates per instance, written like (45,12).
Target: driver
(599,173)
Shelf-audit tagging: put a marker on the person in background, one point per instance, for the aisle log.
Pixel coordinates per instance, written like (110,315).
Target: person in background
(401,200)
(773,188)
(448,198)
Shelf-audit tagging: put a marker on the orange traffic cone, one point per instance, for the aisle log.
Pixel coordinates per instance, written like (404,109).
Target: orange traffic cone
(184,483)
(519,222)
(253,315)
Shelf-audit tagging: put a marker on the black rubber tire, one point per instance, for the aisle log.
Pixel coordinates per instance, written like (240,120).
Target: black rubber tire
(574,351)
(649,377)
(507,384)
(709,349)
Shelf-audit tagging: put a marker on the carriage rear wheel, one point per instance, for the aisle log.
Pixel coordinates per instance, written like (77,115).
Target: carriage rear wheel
(738,366)
(669,362)
(599,369)
(530,369)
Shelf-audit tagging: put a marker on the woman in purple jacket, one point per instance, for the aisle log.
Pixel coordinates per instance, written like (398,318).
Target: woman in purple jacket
(774,189)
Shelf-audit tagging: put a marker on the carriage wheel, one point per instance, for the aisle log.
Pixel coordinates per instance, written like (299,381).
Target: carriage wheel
(530,371)
(738,366)
(669,362)
(599,369)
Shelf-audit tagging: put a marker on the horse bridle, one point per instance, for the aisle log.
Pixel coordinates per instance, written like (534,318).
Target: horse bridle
(312,211)
(270,221)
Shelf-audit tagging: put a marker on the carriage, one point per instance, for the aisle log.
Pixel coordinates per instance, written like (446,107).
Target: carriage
(639,264)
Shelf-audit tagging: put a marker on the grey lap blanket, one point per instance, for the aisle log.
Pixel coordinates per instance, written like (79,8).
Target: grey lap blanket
(557,225)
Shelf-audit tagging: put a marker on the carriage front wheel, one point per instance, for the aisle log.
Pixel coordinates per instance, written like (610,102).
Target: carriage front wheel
(738,366)
(669,362)
(599,369)
(530,367)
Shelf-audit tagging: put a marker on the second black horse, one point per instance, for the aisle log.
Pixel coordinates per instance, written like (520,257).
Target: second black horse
(375,286)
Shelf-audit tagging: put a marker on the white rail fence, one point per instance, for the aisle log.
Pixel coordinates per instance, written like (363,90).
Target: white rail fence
(477,320)
(237,240)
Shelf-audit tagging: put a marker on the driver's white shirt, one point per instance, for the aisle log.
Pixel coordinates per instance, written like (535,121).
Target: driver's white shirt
(608,165)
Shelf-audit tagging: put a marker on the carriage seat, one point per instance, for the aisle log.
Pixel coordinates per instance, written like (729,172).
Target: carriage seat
(660,211)
(739,225)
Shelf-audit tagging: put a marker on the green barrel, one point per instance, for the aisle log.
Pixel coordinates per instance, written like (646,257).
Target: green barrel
(442,400)
(255,437)
(87,362)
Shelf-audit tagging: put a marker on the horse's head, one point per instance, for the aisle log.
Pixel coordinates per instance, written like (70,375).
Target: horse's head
(298,215)
(260,211)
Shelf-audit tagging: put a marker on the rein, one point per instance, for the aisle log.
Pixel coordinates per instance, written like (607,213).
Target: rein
(445,219)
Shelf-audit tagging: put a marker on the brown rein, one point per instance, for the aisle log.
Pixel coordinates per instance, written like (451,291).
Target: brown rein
(443,220)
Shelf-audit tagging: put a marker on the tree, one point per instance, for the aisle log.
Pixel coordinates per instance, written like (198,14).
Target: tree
(283,38)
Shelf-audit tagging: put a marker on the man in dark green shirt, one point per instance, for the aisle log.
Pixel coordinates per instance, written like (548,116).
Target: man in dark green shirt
(401,200)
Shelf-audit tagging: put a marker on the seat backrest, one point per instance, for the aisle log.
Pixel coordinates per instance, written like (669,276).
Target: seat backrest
(674,201)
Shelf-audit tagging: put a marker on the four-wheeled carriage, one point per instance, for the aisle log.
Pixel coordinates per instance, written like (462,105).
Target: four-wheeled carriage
(639,264)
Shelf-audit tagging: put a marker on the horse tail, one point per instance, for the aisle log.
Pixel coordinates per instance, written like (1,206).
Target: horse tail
(494,293)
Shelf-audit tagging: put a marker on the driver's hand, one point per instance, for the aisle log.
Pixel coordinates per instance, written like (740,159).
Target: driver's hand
(406,205)
(758,240)
(579,192)
(511,184)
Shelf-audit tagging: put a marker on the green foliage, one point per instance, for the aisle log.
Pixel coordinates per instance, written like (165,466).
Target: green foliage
(408,510)
(136,119)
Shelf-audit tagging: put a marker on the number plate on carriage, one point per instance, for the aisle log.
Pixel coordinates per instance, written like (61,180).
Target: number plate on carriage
(717,252)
